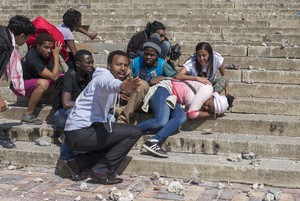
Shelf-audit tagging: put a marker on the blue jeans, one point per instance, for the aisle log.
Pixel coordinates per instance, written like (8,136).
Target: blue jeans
(60,118)
(165,119)
(165,49)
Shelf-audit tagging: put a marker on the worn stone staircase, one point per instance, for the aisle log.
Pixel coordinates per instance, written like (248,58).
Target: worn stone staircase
(261,36)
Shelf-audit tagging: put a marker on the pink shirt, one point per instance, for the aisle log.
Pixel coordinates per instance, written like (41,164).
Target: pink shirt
(187,97)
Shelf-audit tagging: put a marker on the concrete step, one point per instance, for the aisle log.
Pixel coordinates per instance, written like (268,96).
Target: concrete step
(256,63)
(16,110)
(266,106)
(185,141)
(269,125)
(257,124)
(196,142)
(264,90)
(276,172)
(216,167)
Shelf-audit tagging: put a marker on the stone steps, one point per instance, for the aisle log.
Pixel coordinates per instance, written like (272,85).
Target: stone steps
(201,166)
(250,124)
(236,87)
(265,119)
(193,142)
(246,105)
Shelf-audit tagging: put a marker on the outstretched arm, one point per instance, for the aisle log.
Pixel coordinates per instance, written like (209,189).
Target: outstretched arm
(92,36)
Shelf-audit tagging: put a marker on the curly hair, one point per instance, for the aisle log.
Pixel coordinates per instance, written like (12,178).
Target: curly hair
(113,53)
(41,38)
(71,18)
(20,24)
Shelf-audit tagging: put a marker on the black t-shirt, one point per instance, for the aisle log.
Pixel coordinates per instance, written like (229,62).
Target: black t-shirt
(73,83)
(33,64)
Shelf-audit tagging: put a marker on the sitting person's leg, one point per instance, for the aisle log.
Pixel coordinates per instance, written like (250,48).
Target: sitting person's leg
(161,111)
(133,103)
(105,150)
(60,118)
(220,84)
(34,89)
(177,118)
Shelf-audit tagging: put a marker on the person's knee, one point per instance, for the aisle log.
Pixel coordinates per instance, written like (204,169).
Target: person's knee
(136,132)
(161,122)
(143,87)
(42,84)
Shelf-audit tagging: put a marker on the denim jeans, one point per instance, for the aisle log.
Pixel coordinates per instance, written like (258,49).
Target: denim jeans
(165,49)
(60,117)
(165,119)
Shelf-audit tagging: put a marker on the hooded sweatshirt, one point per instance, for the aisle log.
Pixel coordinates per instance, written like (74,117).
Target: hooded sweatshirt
(95,101)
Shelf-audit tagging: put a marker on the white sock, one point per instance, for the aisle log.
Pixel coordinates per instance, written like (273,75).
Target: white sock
(153,140)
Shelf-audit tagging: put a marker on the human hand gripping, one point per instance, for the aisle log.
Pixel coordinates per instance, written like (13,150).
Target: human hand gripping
(57,48)
(156,80)
(203,80)
(130,85)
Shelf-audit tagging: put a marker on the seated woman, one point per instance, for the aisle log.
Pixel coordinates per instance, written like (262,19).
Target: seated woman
(203,66)
(165,98)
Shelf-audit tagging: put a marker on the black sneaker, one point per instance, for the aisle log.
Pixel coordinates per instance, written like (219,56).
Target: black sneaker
(154,148)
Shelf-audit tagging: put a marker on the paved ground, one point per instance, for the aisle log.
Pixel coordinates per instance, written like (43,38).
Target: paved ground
(35,183)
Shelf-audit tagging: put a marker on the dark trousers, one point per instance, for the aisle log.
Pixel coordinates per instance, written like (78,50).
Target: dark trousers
(101,147)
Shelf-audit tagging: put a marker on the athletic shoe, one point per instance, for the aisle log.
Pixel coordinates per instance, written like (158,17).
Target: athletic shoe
(30,119)
(155,149)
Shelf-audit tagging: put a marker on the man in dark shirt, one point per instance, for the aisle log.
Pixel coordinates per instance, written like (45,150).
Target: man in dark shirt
(73,83)
(37,74)
(135,44)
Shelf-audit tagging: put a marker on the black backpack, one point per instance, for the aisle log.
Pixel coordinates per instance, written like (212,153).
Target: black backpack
(56,99)
(175,52)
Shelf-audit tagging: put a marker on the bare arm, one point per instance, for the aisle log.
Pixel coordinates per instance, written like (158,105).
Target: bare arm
(72,46)
(204,115)
(92,36)
(156,80)
(182,75)
(53,75)
(66,100)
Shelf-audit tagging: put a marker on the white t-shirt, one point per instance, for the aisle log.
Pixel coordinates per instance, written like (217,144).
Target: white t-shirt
(190,65)
(66,32)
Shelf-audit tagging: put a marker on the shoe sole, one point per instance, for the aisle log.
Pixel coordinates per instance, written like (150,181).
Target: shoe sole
(31,123)
(155,153)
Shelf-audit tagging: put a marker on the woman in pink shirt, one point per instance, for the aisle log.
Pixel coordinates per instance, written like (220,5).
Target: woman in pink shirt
(199,99)
(165,98)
